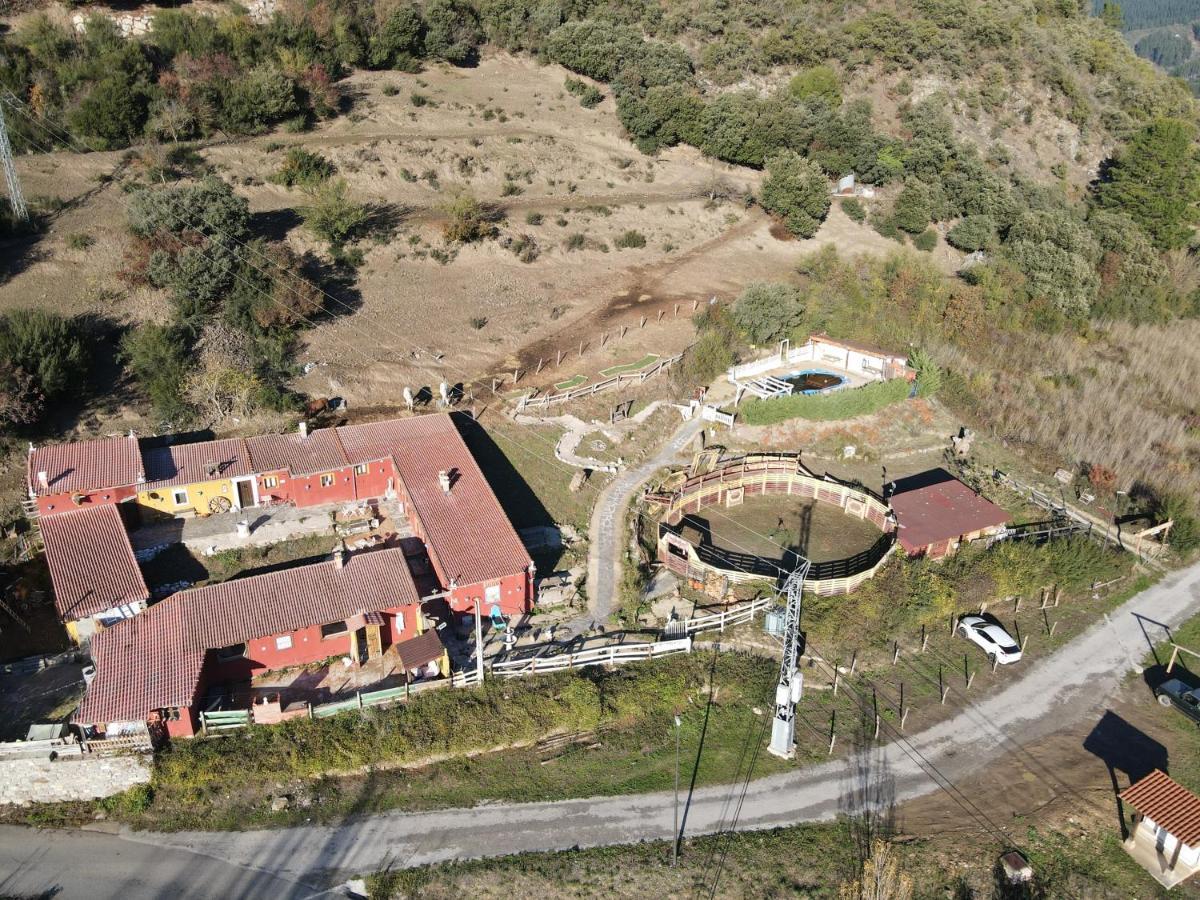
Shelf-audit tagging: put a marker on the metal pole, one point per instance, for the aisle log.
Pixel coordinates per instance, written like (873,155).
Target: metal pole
(675,833)
(478,643)
(791,681)
(16,199)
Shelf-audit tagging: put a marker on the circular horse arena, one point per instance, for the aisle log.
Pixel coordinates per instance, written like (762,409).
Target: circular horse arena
(752,517)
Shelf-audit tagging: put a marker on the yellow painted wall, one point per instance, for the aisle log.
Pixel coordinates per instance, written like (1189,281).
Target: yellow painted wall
(199,494)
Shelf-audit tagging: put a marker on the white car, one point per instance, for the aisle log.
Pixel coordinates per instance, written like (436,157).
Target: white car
(997,643)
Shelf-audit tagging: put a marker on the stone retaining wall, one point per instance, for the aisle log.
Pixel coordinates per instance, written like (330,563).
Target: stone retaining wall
(25,781)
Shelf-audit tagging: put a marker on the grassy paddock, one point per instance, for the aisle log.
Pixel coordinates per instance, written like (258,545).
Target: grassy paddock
(843,404)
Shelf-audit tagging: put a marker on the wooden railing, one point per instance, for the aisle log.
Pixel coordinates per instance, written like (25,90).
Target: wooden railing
(612,654)
(530,401)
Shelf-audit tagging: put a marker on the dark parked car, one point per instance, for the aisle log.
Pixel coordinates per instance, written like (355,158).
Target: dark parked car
(1176,693)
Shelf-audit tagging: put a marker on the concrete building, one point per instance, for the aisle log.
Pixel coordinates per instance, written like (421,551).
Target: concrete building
(936,513)
(1166,838)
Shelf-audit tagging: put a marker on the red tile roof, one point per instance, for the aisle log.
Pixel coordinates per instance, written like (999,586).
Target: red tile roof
(91,563)
(424,648)
(191,463)
(823,338)
(154,660)
(468,533)
(1168,803)
(942,508)
(318,452)
(85,465)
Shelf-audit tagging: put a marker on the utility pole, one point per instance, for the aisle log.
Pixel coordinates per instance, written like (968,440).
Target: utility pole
(675,839)
(15,198)
(791,681)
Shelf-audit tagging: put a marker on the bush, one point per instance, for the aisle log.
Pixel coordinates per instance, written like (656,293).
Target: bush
(452,31)
(929,374)
(534,218)
(765,312)
(589,95)
(817,83)
(797,190)
(303,168)
(972,233)
(159,360)
(840,404)
(630,240)
(80,241)
(333,216)
(914,207)
(575,241)
(926,240)
(854,209)
(50,349)
(469,220)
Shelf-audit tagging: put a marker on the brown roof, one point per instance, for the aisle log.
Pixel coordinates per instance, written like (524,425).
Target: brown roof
(136,660)
(85,465)
(424,648)
(91,563)
(320,451)
(935,506)
(468,533)
(191,463)
(1168,803)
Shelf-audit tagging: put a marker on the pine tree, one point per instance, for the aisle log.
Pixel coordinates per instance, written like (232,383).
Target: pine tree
(1156,181)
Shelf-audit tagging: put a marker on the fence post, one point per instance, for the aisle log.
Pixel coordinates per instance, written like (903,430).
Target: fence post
(836,677)
(904,717)
(832,729)
(853,662)
(896,652)
(942,687)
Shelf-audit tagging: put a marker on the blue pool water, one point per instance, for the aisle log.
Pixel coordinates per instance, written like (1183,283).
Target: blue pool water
(814,381)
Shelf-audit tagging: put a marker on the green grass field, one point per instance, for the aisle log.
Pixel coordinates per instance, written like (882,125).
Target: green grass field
(570,383)
(630,366)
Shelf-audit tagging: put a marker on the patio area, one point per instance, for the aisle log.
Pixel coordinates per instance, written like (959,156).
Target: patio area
(212,534)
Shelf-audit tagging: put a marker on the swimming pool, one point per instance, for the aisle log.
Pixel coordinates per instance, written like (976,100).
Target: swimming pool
(815,381)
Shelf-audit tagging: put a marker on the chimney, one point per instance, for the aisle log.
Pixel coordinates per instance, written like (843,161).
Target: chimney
(444,481)
(303,430)
(339,555)
(43,481)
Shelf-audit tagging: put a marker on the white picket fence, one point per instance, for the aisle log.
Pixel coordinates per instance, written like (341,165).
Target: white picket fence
(726,618)
(613,654)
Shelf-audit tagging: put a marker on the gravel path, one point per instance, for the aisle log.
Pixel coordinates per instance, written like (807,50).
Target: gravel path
(607,537)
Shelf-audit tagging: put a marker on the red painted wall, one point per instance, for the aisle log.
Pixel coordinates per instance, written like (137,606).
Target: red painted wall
(308,646)
(516,595)
(374,482)
(308,490)
(281,493)
(56,503)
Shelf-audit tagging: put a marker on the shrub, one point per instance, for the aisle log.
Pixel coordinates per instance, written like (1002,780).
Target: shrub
(418,100)
(589,95)
(333,216)
(575,241)
(929,374)
(452,31)
(797,190)
(469,220)
(817,83)
(533,218)
(765,312)
(914,207)
(80,241)
(628,240)
(159,360)
(926,240)
(854,209)
(972,233)
(478,322)
(50,349)
(840,404)
(304,168)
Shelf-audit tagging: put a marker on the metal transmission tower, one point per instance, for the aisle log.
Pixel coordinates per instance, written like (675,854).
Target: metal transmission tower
(791,681)
(15,198)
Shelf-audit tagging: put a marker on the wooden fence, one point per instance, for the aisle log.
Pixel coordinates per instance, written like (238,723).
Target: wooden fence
(719,621)
(531,401)
(763,474)
(613,654)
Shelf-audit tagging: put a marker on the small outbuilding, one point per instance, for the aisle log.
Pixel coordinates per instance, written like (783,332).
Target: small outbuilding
(936,513)
(1166,838)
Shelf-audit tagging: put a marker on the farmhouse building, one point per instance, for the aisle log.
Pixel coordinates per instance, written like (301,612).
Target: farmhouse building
(95,578)
(936,513)
(154,669)
(862,359)
(421,462)
(1166,839)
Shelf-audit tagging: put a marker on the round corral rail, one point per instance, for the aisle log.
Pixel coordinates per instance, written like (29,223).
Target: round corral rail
(728,485)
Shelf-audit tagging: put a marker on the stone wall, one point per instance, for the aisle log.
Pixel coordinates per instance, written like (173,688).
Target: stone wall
(25,781)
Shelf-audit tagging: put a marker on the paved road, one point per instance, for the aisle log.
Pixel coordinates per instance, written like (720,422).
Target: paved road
(1069,687)
(607,535)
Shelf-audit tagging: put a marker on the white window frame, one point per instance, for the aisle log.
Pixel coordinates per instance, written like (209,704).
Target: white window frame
(176,493)
(362,469)
(327,480)
(270,481)
(283,642)
(491,593)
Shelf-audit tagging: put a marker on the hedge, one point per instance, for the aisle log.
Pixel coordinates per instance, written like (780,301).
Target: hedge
(843,404)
